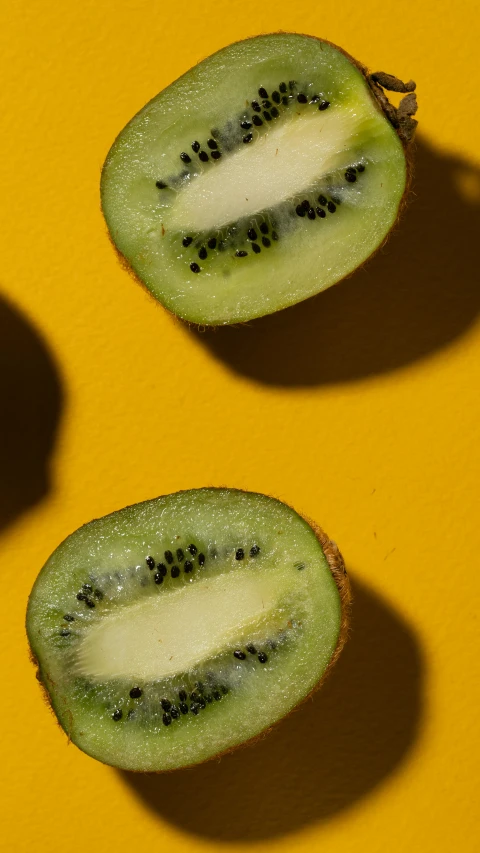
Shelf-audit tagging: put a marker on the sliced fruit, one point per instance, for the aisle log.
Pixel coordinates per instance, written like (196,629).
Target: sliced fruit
(262,176)
(176,629)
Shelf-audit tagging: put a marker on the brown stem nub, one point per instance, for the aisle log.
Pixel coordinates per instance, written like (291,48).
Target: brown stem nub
(391,83)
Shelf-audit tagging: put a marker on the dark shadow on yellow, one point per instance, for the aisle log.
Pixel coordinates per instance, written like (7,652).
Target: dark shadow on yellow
(337,748)
(420,293)
(30,408)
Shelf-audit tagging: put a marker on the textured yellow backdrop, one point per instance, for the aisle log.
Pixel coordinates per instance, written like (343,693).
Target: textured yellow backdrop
(361,408)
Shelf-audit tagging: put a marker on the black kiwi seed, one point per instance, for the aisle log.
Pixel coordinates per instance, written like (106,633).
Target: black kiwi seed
(264,228)
(158,578)
(257,121)
(311,213)
(241,254)
(87,588)
(252,234)
(174,713)
(266,242)
(302,99)
(216,695)
(194,267)
(203,156)
(321,213)
(192,549)
(212,243)
(350,177)
(262,657)
(256,248)
(202,253)
(201,559)
(323,105)
(306,205)
(212,144)
(216,155)
(64,632)
(267,115)
(98,594)
(274,235)
(194,709)
(135,693)
(90,603)
(209,698)
(360,167)
(166,705)
(266,104)
(315,99)
(274,112)
(300,210)
(322,200)
(248,138)
(276,97)
(182,695)
(69,618)
(263,92)
(331,206)
(180,555)
(239,654)
(183,707)
(239,554)
(184,156)
(150,562)
(285,101)
(256,106)
(196,146)
(117,715)
(251,649)
(246,125)
(166,719)
(188,567)
(169,557)
(186,241)
(175,571)
(161,185)
(194,697)
(81,596)
(291,84)
(255,549)
(224,689)
(282,87)
(162,569)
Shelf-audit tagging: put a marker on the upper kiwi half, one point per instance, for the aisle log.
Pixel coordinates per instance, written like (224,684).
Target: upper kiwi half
(265,174)
(176,629)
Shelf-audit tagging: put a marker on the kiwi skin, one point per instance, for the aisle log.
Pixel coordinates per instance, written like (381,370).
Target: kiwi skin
(340,576)
(403,123)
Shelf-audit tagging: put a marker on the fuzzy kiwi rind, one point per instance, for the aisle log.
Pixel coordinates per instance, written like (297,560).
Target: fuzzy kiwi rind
(59,700)
(182,297)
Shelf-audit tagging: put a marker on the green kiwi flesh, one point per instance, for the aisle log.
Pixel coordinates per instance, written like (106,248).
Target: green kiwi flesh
(176,629)
(264,175)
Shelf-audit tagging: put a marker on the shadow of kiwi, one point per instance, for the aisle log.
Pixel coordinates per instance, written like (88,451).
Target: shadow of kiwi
(417,295)
(334,750)
(31,402)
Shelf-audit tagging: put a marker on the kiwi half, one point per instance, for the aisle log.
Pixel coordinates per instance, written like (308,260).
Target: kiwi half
(176,629)
(262,176)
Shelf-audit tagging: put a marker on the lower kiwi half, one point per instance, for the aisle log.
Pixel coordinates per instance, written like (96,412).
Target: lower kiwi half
(176,629)
(264,175)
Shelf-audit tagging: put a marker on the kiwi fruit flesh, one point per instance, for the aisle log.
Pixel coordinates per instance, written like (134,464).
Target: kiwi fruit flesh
(264,175)
(176,629)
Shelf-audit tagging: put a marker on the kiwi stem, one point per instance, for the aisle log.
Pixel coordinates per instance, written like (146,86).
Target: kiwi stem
(399,117)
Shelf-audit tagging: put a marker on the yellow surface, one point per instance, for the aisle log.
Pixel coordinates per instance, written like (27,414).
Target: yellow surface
(360,408)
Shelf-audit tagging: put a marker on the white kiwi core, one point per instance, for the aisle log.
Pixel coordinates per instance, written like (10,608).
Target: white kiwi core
(170,634)
(294,155)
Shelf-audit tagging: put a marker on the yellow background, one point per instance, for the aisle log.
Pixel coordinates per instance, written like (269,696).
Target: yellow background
(361,408)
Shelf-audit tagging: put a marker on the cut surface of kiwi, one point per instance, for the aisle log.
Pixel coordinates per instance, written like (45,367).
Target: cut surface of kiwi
(176,629)
(264,175)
